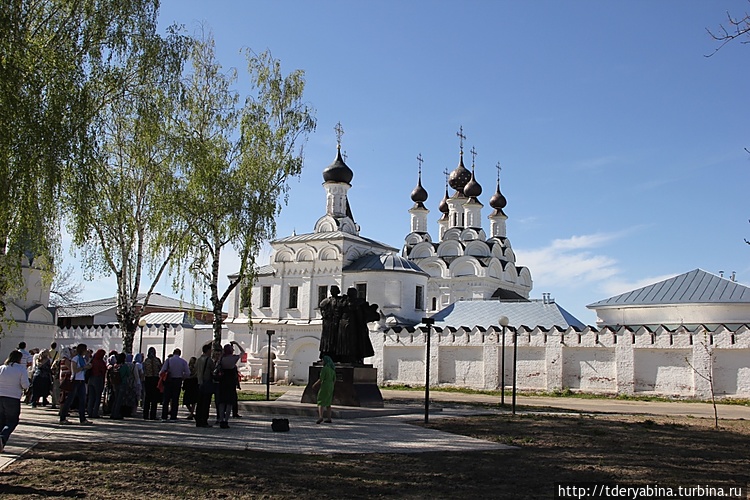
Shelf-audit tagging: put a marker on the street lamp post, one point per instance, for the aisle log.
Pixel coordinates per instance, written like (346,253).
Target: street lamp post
(164,345)
(515,358)
(504,323)
(141,323)
(429,322)
(268,372)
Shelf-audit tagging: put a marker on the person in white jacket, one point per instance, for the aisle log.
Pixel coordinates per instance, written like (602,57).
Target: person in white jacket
(13,381)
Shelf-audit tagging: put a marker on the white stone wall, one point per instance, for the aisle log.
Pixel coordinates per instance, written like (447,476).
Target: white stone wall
(609,361)
(189,339)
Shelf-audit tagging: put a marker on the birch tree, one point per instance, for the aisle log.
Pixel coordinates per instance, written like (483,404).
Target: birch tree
(126,226)
(237,162)
(55,74)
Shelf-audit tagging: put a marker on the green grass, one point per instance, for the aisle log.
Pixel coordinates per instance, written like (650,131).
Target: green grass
(566,393)
(257,396)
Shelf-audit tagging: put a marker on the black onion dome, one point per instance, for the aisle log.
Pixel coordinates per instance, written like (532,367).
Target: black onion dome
(338,171)
(472,189)
(498,201)
(460,176)
(419,195)
(443,207)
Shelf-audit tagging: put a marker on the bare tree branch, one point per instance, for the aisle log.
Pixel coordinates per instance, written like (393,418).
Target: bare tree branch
(65,290)
(735,28)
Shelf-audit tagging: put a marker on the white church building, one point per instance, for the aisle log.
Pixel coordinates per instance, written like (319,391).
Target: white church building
(463,264)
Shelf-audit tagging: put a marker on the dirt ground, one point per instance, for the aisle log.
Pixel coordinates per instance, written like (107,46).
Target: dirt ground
(633,450)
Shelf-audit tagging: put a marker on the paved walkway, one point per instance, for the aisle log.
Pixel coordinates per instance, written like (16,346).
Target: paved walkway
(354,430)
(368,431)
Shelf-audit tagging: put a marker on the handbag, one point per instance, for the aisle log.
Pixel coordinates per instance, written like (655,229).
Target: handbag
(162,380)
(280,425)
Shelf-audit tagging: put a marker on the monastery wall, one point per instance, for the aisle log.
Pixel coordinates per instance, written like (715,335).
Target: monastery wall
(608,361)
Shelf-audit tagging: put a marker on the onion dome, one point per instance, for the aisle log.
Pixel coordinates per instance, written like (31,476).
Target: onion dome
(498,201)
(472,189)
(419,195)
(384,262)
(338,171)
(460,176)
(443,207)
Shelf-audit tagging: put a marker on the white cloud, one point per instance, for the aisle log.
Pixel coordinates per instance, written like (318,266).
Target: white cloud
(584,241)
(570,262)
(597,163)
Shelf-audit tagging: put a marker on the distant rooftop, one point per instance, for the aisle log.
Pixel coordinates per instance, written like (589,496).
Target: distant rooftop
(486,313)
(694,287)
(94,307)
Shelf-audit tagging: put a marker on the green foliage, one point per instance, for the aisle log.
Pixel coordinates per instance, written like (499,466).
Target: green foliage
(245,297)
(236,162)
(125,225)
(56,72)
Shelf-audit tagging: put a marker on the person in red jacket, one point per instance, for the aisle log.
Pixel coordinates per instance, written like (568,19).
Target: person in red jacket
(96,383)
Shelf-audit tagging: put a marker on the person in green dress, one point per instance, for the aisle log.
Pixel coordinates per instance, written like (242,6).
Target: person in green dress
(325,389)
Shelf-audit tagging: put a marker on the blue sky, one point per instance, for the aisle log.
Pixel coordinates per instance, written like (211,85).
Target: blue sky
(622,145)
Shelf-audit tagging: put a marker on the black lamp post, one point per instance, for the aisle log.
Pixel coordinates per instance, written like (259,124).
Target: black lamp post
(268,373)
(515,358)
(164,345)
(429,322)
(141,323)
(504,323)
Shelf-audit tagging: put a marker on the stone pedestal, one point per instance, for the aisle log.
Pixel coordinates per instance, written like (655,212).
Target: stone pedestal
(356,385)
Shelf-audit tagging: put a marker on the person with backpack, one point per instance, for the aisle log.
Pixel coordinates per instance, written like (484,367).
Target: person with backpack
(152,395)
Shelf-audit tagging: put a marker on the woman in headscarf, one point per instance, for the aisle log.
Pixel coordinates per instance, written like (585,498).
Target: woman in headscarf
(121,378)
(325,386)
(131,386)
(95,384)
(66,382)
(138,371)
(14,379)
(227,391)
(151,368)
(41,381)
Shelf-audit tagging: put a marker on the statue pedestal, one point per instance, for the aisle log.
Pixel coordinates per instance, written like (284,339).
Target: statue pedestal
(356,385)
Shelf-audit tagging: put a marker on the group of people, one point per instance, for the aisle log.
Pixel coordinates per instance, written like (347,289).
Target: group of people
(117,384)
